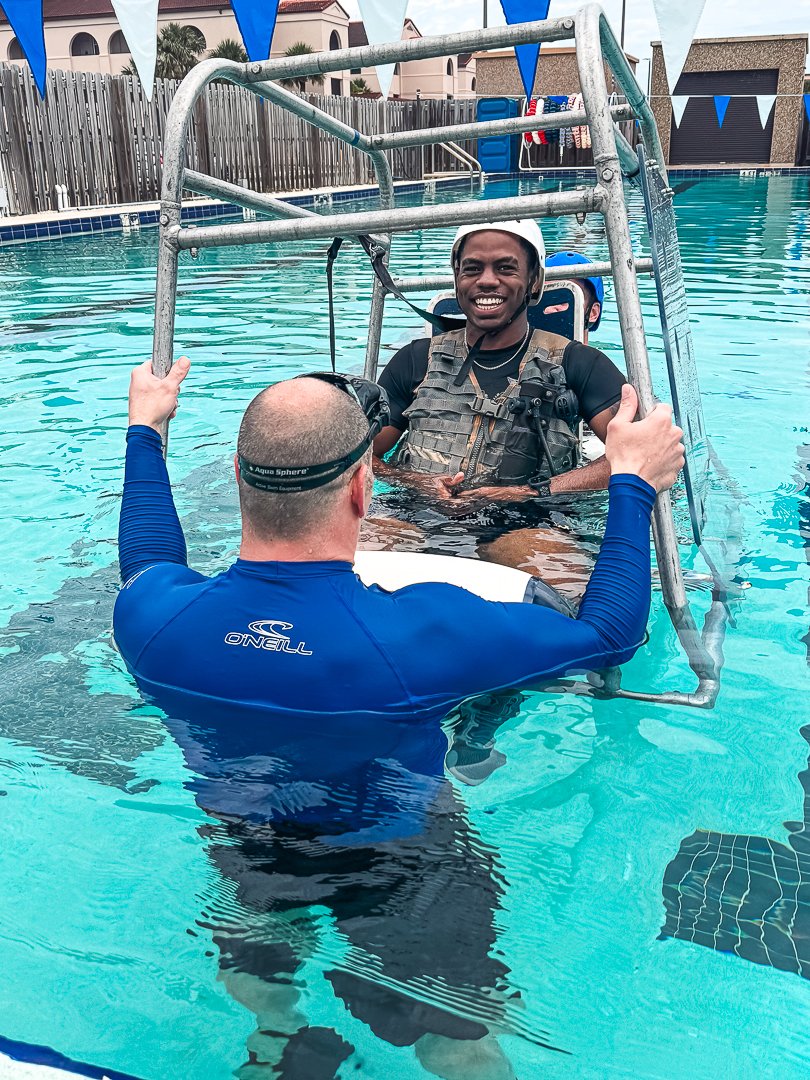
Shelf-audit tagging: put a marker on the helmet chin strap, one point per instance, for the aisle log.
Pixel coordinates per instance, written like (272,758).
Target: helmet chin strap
(475,348)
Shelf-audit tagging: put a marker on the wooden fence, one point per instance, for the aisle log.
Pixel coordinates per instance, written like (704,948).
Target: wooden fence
(99,136)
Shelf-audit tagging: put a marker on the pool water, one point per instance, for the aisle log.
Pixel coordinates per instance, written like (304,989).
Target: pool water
(653,914)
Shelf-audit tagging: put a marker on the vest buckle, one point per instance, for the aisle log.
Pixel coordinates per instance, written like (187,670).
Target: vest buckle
(487,407)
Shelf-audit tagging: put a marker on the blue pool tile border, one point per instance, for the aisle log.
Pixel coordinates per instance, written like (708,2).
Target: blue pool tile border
(111,221)
(33,1054)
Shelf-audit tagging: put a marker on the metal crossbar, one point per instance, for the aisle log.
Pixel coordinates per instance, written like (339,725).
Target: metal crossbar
(613,157)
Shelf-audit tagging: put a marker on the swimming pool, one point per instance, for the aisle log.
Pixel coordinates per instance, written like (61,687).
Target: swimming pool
(108,894)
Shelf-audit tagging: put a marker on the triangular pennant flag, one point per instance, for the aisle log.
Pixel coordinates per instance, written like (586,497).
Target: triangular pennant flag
(138,21)
(679,103)
(807,105)
(25,18)
(765,104)
(720,105)
(256,20)
(677,22)
(518,11)
(383,20)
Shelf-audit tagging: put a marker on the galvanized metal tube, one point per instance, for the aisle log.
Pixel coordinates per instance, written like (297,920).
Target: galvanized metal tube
(232,193)
(253,200)
(627,155)
(174,151)
(395,52)
(549,204)
(332,126)
(626,80)
(591,67)
(553,273)
(485,128)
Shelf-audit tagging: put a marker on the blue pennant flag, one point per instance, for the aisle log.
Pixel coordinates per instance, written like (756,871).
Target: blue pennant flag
(720,105)
(807,105)
(518,11)
(25,18)
(256,20)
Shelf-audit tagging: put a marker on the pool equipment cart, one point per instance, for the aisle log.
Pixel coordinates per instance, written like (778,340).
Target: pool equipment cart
(614,159)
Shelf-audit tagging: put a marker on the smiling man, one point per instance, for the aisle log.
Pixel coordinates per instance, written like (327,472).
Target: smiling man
(492,410)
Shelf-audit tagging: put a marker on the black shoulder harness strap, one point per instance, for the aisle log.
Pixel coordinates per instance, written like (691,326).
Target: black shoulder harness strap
(442,323)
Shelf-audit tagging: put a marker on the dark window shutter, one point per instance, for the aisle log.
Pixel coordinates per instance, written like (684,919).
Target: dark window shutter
(741,140)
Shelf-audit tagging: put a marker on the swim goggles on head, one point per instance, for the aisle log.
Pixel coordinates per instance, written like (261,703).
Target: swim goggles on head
(371,398)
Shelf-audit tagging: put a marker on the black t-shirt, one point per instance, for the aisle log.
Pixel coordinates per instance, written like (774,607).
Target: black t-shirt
(593,377)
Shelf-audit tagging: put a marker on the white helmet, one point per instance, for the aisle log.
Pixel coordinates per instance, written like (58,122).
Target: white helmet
(525,229)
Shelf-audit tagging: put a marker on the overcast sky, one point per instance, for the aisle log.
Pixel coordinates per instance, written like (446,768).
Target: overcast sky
(720,17)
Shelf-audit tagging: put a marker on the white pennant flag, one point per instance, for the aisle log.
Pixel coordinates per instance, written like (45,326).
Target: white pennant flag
(383,20)
(765,104)
(679,103)
(677,22)
(138,20)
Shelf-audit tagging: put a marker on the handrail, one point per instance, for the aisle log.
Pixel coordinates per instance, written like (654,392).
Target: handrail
(482,129)
(431,283)
(460,154)
(405,219)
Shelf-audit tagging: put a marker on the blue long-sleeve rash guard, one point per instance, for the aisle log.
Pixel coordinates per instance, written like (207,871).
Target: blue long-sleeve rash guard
(289,657)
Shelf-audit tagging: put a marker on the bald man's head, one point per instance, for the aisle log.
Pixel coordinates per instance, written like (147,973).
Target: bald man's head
(293,423)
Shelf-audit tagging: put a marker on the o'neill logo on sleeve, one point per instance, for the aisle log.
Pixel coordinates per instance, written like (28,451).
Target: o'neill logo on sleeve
(267,634)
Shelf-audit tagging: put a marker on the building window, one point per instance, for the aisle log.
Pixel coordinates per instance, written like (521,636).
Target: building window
(450,67)
(337,87)
(334,41)
(396,69)
(84,45)
(118,43)
(472,87)
(356,71)
(15,50)
(196,37)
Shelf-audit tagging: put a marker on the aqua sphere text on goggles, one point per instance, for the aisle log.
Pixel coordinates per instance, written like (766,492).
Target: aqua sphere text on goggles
(371,398)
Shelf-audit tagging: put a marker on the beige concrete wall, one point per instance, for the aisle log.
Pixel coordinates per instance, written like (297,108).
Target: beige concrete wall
(785,52)
(498,74)
(429,77)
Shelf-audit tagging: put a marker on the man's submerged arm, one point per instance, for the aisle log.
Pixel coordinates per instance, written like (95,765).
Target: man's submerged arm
(149,530)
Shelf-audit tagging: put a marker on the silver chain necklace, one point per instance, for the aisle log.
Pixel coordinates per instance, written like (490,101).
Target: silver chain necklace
(508,360)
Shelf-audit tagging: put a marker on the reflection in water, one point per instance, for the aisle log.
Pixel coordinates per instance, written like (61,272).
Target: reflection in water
(344,846)
(747,895)
(43,687)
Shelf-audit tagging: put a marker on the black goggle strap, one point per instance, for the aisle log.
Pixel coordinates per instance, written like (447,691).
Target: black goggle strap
(370,397)
(442,323)
(300,478)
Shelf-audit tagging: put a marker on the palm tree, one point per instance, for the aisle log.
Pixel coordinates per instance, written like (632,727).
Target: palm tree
(179,48)
(358,87)
(229,49)
(300,48)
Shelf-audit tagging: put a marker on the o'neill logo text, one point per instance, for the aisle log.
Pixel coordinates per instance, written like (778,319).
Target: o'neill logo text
(268,634)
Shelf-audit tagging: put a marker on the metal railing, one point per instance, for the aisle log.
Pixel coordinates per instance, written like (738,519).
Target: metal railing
(613,159)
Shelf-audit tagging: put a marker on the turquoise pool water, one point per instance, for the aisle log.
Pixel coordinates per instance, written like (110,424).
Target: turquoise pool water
(107,890)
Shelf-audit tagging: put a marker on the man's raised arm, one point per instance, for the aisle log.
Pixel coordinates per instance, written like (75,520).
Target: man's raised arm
(149,530)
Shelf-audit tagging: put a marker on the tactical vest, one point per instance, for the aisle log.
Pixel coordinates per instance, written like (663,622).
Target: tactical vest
(496,440)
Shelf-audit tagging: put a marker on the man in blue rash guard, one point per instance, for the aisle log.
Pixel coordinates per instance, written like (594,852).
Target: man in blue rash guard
(308,707)
(289,627)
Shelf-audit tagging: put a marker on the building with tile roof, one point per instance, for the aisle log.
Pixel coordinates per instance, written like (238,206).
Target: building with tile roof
(84,35)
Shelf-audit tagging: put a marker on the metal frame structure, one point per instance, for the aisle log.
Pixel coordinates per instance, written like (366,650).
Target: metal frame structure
(614,159)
